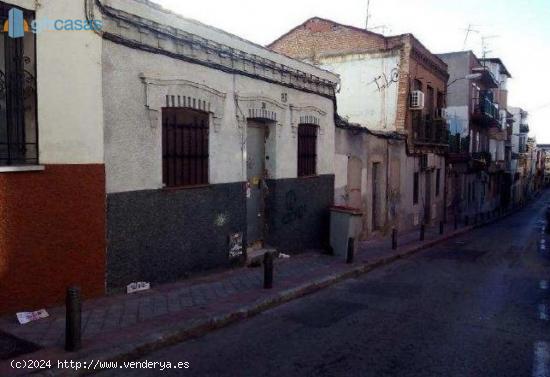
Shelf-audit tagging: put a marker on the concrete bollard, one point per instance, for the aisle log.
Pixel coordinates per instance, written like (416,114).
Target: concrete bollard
(394,239)
(422,232)
(268,270)
(351,251)
(73,320)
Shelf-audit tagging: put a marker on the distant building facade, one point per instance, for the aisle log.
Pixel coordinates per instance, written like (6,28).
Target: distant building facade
(478,118)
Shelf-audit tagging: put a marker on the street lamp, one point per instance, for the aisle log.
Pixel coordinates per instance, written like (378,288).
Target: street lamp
(471,76)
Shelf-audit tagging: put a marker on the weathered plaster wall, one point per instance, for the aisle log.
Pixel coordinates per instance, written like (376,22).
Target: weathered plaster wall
(174,232)
(128,123)
(412,215)
(369,92)
(165,17)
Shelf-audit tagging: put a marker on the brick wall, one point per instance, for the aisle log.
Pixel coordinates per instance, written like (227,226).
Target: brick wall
(318,36)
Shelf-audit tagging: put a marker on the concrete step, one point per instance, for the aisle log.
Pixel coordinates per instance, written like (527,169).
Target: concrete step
(256,256)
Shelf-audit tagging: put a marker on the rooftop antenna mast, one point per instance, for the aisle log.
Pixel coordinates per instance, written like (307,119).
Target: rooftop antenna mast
(484,46)
(368,15)
(469,30)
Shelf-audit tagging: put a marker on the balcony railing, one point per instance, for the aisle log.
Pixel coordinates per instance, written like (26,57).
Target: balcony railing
(486,111)
(482,156)
(459,144)
(524,129)
(430,131)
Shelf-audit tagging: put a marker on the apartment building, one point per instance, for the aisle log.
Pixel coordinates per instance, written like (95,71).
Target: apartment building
(477,115)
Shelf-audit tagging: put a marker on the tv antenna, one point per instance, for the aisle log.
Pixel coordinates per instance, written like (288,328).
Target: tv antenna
(469,31)
(368,15)
(383,29)
(484,45)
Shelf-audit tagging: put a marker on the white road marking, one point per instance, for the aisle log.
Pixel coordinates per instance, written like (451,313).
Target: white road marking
(543,284)
(541,359)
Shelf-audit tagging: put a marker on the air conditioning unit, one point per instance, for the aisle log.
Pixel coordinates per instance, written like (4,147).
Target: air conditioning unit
(417,100)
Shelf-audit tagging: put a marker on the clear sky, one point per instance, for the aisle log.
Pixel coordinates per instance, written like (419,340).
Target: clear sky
(517,31)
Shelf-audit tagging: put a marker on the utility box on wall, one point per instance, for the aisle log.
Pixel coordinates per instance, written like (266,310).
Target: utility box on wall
(345,223)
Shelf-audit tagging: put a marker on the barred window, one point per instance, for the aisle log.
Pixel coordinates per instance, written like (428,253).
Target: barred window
(307,150)
(415,188)
(18,114)
(184,147)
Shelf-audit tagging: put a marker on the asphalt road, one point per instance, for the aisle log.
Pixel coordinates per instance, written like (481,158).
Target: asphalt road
(478,305)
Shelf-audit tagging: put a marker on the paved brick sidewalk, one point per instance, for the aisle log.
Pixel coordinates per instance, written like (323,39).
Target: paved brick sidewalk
(124,326)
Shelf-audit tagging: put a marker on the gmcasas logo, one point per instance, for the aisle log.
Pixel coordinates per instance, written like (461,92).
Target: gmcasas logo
(16,25)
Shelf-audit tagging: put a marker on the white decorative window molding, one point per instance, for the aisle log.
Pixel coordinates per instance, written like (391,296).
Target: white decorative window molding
(307,115)
(161,93)
(262,108)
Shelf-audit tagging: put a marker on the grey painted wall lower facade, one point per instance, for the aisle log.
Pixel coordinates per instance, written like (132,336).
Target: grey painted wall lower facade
(161,236)
(298,213)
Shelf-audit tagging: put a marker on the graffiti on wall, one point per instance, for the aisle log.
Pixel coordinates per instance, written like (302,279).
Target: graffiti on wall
(384,80)
(294,209)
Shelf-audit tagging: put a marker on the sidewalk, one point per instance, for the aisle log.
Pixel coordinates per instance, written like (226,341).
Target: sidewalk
(124,327)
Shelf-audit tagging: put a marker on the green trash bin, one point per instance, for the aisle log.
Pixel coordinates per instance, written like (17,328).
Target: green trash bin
(345,223)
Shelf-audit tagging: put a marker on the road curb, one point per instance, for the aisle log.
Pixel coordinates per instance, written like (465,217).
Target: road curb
(182,332)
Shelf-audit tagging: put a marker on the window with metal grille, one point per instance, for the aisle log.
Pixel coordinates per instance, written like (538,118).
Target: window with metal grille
(415,188)
(184,147)
(307,150)
(18,113)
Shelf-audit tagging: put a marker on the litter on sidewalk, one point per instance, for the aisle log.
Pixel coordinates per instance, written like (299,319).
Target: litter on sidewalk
(26,317)
(138,287)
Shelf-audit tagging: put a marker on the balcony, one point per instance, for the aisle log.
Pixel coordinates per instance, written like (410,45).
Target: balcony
(524,128)
(497,166)
(482,157)
(430,131)
(485,112)
(459,149)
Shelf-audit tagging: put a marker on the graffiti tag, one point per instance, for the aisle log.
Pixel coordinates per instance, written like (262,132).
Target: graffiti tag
(384,81)
(294,210)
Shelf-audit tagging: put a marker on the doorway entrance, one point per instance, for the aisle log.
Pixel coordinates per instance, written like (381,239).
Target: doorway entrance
(428,198)
(255,175)
(376,196)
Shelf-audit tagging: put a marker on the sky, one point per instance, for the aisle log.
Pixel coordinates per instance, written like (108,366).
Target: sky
(517,31)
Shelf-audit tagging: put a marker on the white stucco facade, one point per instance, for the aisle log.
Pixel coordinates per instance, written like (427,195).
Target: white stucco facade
(70,110)
(369,96)
(137,85)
